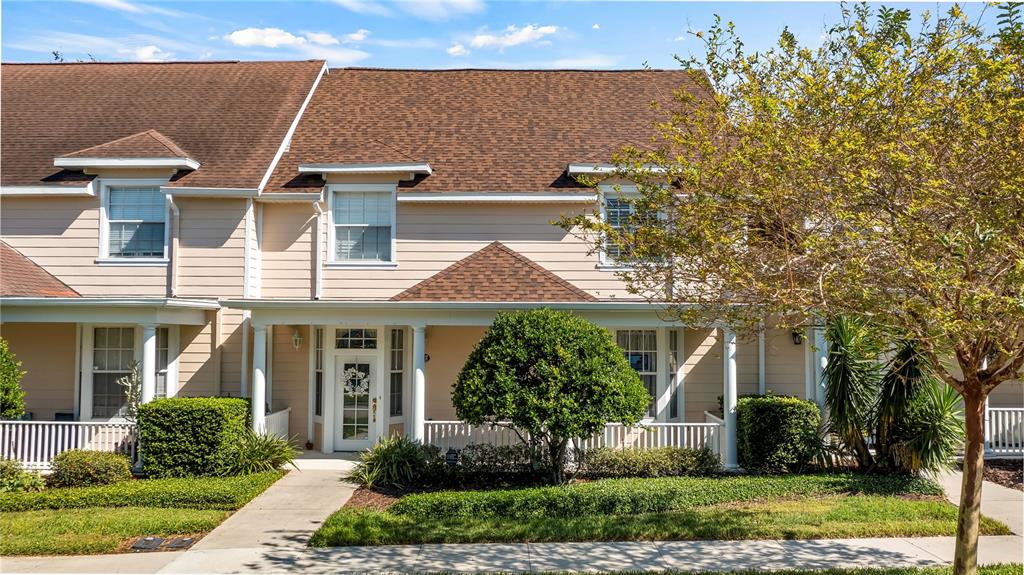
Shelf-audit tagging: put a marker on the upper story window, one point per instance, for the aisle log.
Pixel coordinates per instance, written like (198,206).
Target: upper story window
(618,213)
(363,226)
(136,222)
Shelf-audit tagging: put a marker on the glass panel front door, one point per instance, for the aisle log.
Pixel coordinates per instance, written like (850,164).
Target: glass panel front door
(356,402)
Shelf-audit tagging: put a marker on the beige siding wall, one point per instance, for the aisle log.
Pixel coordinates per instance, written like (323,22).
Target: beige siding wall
(290,386)
(198,369)
(784,363)
(47,354)
(430,238)
(1008,394)
(448,347)
(231,351)
(703,368)
(212,242)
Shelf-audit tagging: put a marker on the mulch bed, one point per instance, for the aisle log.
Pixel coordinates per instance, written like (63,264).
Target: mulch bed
(364,498)
(1005,472)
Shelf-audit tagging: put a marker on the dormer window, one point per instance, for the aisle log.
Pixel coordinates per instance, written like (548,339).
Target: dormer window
(362,224)
(137,220)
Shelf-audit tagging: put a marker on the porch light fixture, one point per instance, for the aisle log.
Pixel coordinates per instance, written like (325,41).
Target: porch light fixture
(296,339)
(798,336)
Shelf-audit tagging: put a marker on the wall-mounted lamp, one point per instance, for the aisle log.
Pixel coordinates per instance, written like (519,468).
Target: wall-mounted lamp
(798,336)
(296,340)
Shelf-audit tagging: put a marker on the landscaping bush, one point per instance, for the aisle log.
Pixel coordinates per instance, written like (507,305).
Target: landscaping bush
(661,462)
(259,452)
(12,397)
(191,436)
(776,434)
(632,496)
(14,479)
(394,461)
(82,468)
(185,492)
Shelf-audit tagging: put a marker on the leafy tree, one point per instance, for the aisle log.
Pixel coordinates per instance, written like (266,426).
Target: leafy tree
(552,375)
(12,397)
(878,174)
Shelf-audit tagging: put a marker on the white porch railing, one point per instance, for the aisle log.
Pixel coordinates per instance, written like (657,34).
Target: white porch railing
(1004,430)
(277,423)
(458,434)
(36,443)
(712,418)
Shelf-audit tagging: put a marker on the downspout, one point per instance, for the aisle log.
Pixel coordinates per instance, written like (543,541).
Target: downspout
(176,227)
(318,251)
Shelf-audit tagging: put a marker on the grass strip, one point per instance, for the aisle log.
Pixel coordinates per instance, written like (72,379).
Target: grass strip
(825,517)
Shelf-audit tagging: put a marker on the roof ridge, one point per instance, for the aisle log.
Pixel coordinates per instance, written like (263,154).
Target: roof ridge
(163,140)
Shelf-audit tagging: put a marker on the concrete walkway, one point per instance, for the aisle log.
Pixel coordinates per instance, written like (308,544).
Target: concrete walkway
(1000,503)
(546,557)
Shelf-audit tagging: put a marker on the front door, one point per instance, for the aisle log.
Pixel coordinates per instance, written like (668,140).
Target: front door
(357,401)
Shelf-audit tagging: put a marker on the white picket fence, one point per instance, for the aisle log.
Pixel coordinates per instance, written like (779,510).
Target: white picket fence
(458,434)
(1004,430)
(36,443)
(277,423)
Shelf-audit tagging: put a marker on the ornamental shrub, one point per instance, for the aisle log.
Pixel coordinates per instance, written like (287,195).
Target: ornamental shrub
(661,462)
(776,434)
(259,452)
(553,375)
(191,436)
(82,468)
(14,479)
(12,397)
(393,462)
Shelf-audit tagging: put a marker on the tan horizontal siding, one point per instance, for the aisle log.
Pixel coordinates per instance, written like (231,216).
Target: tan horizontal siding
(290,384)
(47,355)
(211,259)
(197,364)
(287,250)
(231,351)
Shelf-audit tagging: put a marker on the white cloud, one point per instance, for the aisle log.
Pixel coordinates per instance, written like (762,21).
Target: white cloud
(150,53)
(357,36)
(131,7)
(321,38)
(364,7)
(440,10)
(457,50)
(266,37)
(679,39)
(596,27)
(513,36)
(334,56)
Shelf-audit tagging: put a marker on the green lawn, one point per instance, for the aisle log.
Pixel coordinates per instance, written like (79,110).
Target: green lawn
(673,508)
(103,519)
(97,529)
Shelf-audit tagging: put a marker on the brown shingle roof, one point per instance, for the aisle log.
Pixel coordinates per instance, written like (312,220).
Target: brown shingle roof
(21,277)
(148,144)
(480,130)
(232,115)
(495,273)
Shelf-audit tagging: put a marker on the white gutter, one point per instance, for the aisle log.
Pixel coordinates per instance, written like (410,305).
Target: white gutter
(109,302)
(175,236)
(411,168)
(86,191)
(285,197)
(254,304)
(286,142)
(210,192)
(496,198)
(604,169)
(176,162)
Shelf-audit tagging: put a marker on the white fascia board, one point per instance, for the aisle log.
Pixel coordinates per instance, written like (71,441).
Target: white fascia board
(86,191)
(604,169)
(496,198)
(181,191)
(255,304)
(106,310)
(286,141)
(109,302)
(179,163)
(285,197)
(410,168)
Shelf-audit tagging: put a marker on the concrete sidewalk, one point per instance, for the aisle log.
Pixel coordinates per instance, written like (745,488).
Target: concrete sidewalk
(1000,503)
(546,557)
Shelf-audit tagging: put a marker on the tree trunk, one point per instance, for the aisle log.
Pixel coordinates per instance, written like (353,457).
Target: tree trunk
(556,451)
(965,561)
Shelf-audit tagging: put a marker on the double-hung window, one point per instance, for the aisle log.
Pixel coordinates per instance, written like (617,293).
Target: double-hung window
(363,226)
(618,214)
(113,356)
(641,349)
(136,222)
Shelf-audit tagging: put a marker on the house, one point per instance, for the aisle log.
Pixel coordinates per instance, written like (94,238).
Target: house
(331,243)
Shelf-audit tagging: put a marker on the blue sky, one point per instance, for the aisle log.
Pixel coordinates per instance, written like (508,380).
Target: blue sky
(410,34)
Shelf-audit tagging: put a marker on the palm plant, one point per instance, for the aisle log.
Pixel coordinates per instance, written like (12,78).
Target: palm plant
(933,430)
(905,376)
(852,380)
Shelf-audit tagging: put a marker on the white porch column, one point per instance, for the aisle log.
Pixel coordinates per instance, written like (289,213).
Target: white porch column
(259,378)
(148,363)
(762,386)
(820,361)
(419,382)
(729,396)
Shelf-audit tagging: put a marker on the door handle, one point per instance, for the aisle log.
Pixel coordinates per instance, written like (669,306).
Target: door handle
(373,409)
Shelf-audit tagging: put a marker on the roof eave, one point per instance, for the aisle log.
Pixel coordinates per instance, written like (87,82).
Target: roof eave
(87,190)
(383,168)
(175,162)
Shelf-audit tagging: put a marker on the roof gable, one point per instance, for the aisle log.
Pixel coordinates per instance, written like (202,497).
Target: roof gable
(22,277)
(148,144)
(495,274)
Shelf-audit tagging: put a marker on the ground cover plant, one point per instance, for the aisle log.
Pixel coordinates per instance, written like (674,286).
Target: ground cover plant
(740,507)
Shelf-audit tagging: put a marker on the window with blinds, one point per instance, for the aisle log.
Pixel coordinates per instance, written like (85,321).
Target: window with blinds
(136,217)
(362,226)
(618,213)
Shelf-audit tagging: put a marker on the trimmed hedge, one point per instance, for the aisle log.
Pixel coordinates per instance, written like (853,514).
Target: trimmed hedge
(82,468)
(775,433)
(190,436)
(661,462)
(630,496)
(227,493)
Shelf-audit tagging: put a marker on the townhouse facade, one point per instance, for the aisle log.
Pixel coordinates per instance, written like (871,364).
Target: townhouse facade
(330,243)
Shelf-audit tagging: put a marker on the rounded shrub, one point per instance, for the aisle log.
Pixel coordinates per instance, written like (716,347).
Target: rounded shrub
(14,479)
(82,468)
(191,436)
(776,434)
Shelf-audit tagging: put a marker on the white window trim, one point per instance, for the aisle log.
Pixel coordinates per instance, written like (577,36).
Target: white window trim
(660,369)
(104,257)
(332,261)
(605,262)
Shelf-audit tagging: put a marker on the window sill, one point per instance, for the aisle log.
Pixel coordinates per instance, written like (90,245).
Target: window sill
(132,261)
(368,265)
